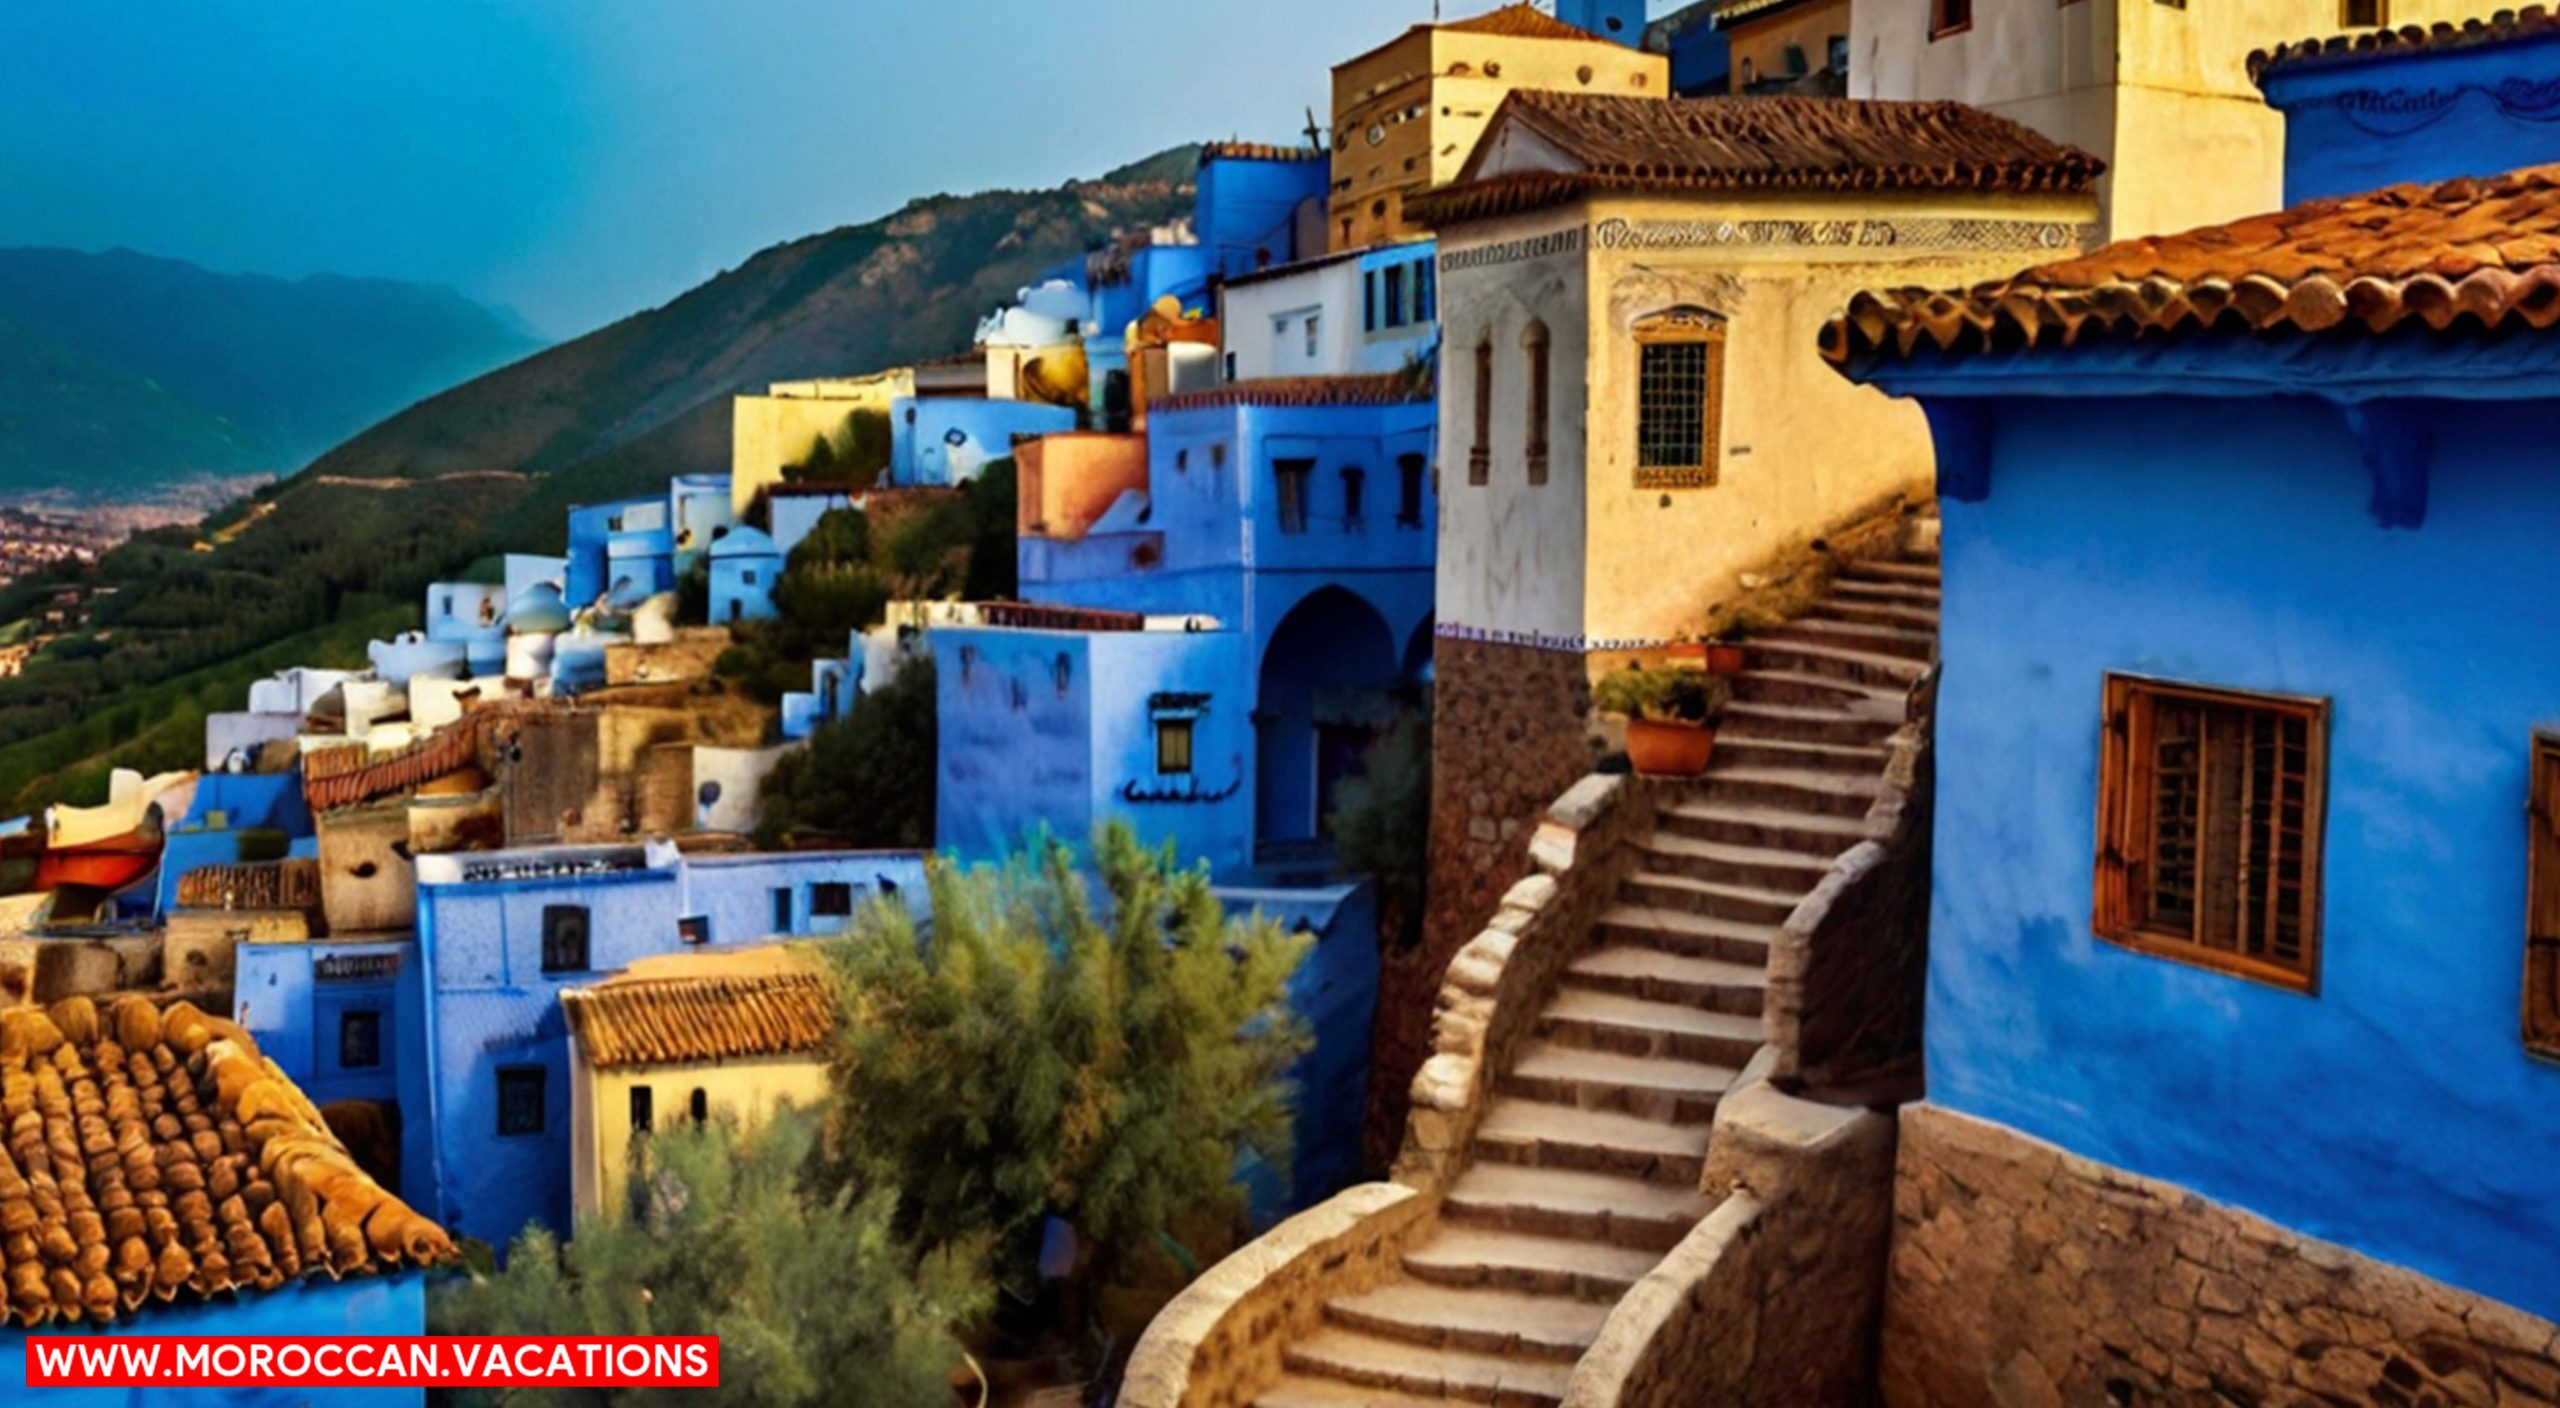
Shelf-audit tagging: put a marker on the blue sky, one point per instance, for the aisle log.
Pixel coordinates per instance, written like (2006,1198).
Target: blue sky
(578,160)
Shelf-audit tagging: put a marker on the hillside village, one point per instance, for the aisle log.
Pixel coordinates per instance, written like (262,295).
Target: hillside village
(1865,644)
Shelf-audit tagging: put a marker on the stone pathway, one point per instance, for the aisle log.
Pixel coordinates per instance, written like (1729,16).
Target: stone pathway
(1586,1166)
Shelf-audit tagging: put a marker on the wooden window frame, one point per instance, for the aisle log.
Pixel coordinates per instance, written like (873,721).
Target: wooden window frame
(1684,326)
(1293,480)
(1480,453)
(1176,759)
(2124,811)
(1537,348)
(2541,1019)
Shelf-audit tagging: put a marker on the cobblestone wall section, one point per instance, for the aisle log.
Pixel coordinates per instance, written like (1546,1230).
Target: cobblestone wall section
(2024,1276)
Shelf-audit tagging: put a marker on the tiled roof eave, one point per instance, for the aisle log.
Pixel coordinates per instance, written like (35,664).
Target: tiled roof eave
(2340,50)
(1501,196)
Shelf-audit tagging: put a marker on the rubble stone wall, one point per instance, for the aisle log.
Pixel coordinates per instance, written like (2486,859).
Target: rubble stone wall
(2024,1276)
(1508,737)
(1849,970)
(1773,1300)
(1218,1344)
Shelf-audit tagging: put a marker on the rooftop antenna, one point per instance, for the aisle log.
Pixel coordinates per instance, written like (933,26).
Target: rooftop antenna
(1315,131)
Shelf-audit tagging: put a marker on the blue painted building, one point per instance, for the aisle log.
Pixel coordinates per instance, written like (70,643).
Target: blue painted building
(1619,20)
(2245,727)
(473,616)
(745,564)
(1258,206)
(2365,111)
(699,514)
(501,933)
(344,1020)
(225,806)
(942,442)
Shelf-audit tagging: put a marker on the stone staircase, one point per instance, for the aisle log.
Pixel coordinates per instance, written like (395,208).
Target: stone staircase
(1586,1167)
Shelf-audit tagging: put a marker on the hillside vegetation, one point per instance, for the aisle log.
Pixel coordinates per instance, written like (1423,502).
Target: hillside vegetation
(493,465)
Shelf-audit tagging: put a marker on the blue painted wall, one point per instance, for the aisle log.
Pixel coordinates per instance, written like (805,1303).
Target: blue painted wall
(1246,209)
(395,1304)
(1057,728)
(2354,126)
(1621,21)
(744,566)
(592,528)
(489,1005)
(943,441)
(700,514)
(295,997)
(2228,543)
(796,515)
(1336,991)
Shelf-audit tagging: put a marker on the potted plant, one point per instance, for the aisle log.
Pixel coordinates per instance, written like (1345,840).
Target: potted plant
(1720,651)
(1670,713)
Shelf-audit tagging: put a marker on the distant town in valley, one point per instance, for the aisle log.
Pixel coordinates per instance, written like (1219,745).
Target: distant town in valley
(1832,703)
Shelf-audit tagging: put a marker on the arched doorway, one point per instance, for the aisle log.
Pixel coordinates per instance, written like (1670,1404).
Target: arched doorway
(1328,678)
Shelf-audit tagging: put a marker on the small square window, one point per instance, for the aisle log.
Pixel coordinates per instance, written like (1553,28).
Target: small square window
(2364,14)
(831,899)
(564,938)
(1949,17)
(523,1099)
(1173,746)
(359,1041)
(694,929)
(2209,827)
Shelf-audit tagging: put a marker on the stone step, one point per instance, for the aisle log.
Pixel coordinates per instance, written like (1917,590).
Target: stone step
(1455,1374)
(1752,904)
(1513,1324)
(1523,1261)
(1737,823)
(1681,932)
(1775,867)
(1755,752)
(1543,1134)
(1852,724)
(1865,589)
(1814,657)
(1707,983)
(1881,613)
(1803,688)
(1837,794)
(1635,1026)
(1559,1202)
(1885,569)
(1653,1087)
(1297,1391)
(1816,628)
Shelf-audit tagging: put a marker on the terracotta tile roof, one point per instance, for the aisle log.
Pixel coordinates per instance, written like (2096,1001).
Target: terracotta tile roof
(1378,389)
(2532,21)
(1522,22)
(1764,144)
(155,1155)
(640,1021)
(347,777)
(1259,151)
(2480,252)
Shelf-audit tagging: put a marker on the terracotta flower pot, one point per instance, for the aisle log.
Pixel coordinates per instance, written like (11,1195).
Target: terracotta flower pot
(1659,749)
(1723,659)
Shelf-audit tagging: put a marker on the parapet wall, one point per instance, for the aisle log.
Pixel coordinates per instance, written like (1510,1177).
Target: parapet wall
(2024,1276)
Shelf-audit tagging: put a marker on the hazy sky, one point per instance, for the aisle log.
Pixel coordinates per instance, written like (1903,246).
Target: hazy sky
(578,160)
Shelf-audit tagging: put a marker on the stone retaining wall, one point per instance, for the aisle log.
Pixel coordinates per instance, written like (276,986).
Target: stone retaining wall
(1509,734)
(1849,968)
(2024,1276)
(1773,1299)
(1218,1344)
(1498,984)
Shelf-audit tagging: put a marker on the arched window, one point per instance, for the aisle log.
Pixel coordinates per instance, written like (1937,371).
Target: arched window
(1535,348)
(1679,399)
(1480,454)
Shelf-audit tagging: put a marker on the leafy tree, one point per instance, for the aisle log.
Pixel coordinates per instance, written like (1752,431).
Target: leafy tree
(1382,825)
(866,779)
(1040,1055)
(815,1298)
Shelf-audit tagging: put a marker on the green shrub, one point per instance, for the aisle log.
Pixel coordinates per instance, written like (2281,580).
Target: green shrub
(866,779)
(1663,694)
(1382,827)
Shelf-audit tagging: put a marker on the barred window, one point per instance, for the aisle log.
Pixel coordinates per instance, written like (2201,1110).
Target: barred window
(2210,805)
(2542,907)
(523,1100)
(1536,345)
(1679,399)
